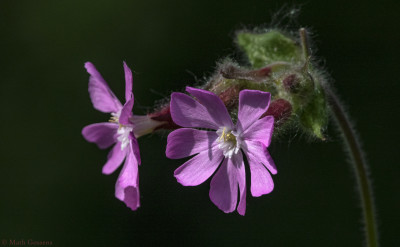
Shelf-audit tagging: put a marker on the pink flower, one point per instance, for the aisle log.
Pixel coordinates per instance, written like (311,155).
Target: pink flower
(119,131)
(251,135)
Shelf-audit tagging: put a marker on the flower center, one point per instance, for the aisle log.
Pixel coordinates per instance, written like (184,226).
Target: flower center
(123,130)
(229,142)
(123,135)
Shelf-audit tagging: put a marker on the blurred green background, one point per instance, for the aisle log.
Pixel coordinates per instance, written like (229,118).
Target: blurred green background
(51,185)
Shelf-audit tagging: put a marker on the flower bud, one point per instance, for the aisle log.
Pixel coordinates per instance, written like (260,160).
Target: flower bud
(281,110)
(164,115)
(291,83)
(230,97)
(232,72)
(299,83)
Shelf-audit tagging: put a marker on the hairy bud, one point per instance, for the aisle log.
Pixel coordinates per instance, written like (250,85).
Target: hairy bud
(281,110)
(298,82)
(230,97)
(281,65)
(291,83)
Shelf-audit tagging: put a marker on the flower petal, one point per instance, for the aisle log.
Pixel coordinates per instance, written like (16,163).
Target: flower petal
(103,134)
(128,82)
(102,97)
(252,104)
(115,158)
(131,196)
(260,131)
(186,142)
(214,106)
(261,180)
(187,112)
(127,186)
(199,168)
(224,185)
(241,178)
(260,153)
(126,112)
(134,146)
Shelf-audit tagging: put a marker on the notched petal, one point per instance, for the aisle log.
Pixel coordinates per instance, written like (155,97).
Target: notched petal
(127,185)
(187,112)
(102,97)
(252,105)
(225,183)
(214,106)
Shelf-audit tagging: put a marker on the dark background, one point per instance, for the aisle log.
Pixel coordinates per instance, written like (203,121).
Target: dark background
(51,186)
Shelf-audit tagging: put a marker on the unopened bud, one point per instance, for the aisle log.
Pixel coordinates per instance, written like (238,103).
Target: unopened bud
(291,83)
(230,71)
(233,72)
(280,109)
(230,97)
(164,115)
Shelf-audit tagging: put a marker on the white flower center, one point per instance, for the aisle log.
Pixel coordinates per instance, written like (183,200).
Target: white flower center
(229,141)
(123,135)
(123,130)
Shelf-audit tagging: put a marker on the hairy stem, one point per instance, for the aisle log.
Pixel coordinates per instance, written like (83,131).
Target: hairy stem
(304,43)
(359,165)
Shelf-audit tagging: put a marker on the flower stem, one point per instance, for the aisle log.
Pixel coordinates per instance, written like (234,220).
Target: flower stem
(304,43)
(359,165)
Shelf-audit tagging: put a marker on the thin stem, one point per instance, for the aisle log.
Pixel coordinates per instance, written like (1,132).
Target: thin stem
(359,165)
(355,151)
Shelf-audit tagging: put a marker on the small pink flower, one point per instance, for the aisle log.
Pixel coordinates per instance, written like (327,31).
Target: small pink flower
(119,131)
(251,135)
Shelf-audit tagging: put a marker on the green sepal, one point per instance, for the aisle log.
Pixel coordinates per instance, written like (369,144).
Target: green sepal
(266,48)
(314,115)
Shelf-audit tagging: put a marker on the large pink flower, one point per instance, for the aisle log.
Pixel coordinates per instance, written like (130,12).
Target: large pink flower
(119,131)
(251,136)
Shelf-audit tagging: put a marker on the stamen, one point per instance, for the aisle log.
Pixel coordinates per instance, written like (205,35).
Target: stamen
(227,136)
(222,135)
(113,119)
(228,141)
